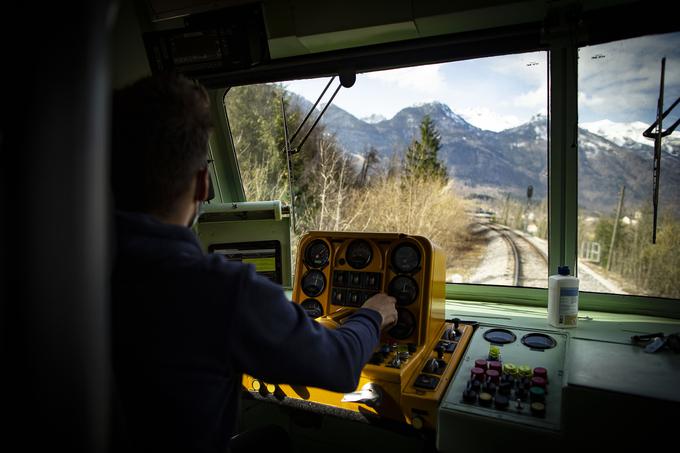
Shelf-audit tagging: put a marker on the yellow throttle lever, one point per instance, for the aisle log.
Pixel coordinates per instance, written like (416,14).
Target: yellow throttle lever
(370,395)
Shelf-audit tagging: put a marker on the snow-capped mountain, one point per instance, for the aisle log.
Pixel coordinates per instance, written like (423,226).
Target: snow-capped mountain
(510,160)
(629,135)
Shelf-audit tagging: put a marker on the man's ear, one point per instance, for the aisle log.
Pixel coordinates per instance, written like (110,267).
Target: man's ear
(202,185)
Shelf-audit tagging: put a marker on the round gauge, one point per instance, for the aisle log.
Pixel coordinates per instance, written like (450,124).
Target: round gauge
(317,254)
(404,289)
(406,258)
(359,254)
(539,341)
(312,307)
(405,325)
(499,336)
(313,283)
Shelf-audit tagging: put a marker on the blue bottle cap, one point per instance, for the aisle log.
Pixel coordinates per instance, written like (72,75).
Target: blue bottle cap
(563,270)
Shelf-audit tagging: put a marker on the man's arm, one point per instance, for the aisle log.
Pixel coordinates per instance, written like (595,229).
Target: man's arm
(274,339)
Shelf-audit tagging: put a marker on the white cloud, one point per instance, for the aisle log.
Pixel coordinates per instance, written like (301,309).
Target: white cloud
(534,99)
(484,118)
(425,79)
(589,101)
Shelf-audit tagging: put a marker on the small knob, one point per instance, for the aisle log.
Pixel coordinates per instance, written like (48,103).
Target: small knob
(525,371)
(469,396)
(541,372)
(537,381)
(481,363)
(536,395)
(456,331)
(485,399)
(495,365)
(494,353)
(492,376)
(432,366)
(477,374)
(538,409)
(501,402)
(509,369)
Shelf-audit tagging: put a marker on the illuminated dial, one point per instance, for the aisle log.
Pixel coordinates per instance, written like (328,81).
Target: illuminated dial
(404,289)
(406,258)
(359,254)
(405,325)
(313,283)
(317,254)
(312,307)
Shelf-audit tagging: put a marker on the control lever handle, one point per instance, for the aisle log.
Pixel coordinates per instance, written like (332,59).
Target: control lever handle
(370,395)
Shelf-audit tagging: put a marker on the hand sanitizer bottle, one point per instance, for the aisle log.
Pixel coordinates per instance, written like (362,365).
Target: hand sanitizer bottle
(562,298)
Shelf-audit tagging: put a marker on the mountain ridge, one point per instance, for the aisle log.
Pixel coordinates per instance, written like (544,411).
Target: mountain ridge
(510,160)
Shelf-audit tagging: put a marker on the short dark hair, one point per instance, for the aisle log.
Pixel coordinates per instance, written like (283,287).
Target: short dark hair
(161,127)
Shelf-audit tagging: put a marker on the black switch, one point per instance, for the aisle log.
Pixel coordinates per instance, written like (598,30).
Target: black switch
(448,346)
(355,279)
(426,382)
(339,278)
(339,296)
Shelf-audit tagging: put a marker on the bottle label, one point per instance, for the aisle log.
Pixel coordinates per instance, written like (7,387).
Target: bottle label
(568,306)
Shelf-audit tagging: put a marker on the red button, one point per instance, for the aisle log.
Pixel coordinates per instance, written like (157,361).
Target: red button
(496,365)
(477,374)
(493,376)
(541,372)
(538,382)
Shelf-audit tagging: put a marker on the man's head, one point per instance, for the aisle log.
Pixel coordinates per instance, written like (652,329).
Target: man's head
(160,132)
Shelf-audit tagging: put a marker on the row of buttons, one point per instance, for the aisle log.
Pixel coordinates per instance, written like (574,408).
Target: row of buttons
(360,280)
(350,298)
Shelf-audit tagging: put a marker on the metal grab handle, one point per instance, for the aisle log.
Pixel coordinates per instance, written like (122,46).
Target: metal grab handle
(370,395)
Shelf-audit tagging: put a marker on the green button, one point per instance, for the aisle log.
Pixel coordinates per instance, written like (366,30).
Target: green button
(525,371)
(509,368)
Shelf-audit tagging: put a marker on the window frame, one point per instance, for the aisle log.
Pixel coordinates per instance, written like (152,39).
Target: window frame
(562,47)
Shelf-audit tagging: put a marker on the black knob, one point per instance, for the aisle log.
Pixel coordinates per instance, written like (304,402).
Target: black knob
(501,402)
(432,366)
(469,396)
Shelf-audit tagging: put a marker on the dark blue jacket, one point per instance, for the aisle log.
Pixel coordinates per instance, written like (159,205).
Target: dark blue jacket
(187,325)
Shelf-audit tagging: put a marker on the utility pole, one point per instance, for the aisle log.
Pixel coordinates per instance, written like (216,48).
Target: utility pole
(616,228)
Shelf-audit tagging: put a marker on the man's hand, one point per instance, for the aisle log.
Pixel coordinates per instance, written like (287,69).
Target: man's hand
(383,304)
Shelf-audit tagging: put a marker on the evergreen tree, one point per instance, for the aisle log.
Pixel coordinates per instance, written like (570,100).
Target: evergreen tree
(422,157)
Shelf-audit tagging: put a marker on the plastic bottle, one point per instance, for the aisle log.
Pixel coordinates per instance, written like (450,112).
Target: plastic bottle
(562,298)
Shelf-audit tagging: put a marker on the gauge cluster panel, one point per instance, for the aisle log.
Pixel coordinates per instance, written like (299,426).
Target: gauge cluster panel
(335,274)
(339,272)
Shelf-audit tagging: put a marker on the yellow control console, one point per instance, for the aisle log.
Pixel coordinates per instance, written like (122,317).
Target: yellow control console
(406,378)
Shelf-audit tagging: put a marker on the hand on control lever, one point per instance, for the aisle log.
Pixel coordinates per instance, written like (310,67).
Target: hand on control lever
(385,305)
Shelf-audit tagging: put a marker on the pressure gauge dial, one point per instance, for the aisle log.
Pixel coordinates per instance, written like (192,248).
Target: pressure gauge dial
(406,258)
(312,307)
(359,254)
(317,254)
(313,283)
(406,324)
(404,289)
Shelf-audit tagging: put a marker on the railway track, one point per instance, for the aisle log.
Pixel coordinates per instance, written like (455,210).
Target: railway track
(529,263)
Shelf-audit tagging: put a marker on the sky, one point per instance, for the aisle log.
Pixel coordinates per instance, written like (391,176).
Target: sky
(617,81)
